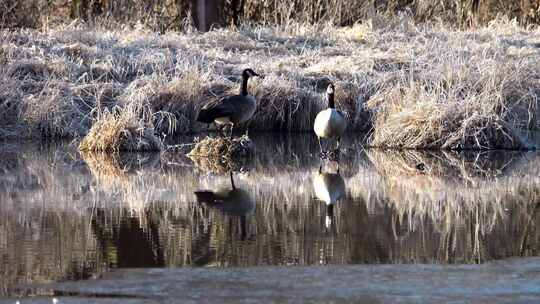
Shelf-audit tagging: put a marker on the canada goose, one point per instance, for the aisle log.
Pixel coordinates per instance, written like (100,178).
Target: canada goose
(329,188)
(233,201)
(330,123)
(231,110)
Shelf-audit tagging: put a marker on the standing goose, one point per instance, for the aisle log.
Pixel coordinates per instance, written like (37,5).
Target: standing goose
(329,188)
(330,123)
(231,110)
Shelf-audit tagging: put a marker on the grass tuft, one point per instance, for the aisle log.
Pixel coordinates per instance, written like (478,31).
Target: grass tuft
(222,147)
(221,155)
(114,132)
(413,120)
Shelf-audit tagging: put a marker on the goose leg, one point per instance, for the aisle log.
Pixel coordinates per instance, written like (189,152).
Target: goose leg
(337,145)
(219,128)
(247,128)
(232,130)
(320,146)
(336,151)
(222,129)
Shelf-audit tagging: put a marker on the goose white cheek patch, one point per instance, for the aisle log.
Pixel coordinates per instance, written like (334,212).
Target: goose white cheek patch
(330,90)
(223,120)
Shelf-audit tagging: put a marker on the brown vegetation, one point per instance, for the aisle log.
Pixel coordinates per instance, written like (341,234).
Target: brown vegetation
(166,15)
(222,147)
(221,155)
(120,132)
(412,86)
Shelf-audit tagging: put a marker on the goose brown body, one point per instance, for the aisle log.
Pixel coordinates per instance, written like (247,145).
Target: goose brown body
(235,109)
(232,110)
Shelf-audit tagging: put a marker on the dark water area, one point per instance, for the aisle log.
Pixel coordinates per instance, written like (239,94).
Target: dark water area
(71,216)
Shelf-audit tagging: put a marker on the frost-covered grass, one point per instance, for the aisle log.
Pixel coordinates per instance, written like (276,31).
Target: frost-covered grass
(410,86)
(124,131)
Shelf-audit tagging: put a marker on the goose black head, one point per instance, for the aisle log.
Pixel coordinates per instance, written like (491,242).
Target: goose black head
(245,76)
(250,73)
(330,95)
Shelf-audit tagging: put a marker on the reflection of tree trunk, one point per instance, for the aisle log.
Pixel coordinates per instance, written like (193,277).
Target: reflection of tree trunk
(243,228)
(153,226)
(201,252)
(98,227)
(525,235)
(477,252)
(472,230)
(449,253)
(134,246)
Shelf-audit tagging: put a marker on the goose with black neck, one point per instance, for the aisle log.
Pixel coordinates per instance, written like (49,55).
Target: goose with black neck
(231,110)
(330,124)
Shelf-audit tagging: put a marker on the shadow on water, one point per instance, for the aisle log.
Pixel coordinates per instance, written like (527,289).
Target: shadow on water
(66,216)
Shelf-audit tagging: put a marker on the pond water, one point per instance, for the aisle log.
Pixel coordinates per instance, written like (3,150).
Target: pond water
(67,216)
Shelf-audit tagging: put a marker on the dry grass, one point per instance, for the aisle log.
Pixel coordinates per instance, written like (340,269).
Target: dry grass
(432,121)
(113,133)
(222,147)
(412,86)
(166,15)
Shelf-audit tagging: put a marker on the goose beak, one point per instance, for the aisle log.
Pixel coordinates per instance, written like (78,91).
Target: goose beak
(260,76)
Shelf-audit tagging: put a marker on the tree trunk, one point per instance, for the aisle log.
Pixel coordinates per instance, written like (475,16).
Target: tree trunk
(205,14)
(79,9)
(83,9)
(74,9)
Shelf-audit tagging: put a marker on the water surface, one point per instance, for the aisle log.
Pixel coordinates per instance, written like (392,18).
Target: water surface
(67,216)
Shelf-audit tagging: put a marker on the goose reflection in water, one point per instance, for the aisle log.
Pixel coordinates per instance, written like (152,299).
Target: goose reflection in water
(231,201)
(329,188)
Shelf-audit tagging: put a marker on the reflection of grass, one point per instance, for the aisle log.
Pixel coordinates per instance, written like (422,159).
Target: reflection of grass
(103,166)
(459,209)
(106,167)
(459,193)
